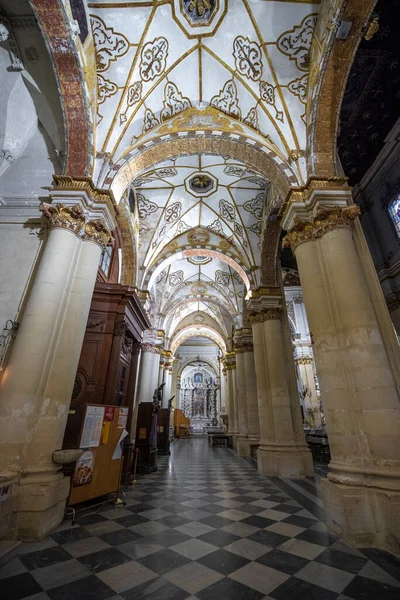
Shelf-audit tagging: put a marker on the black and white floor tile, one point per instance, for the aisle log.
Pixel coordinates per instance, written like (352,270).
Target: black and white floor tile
(206,525)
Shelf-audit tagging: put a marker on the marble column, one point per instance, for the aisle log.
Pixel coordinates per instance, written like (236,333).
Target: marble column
(361,402)
(38,380)
(282,451)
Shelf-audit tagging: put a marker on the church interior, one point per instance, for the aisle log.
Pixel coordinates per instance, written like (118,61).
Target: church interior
(199,299)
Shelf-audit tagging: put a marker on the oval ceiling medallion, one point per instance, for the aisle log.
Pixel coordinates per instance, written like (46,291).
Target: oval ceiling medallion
(198,236)
(198,288)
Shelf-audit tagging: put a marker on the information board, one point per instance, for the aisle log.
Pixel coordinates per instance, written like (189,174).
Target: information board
(98,471)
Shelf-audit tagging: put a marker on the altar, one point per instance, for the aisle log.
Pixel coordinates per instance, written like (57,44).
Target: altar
(199,401)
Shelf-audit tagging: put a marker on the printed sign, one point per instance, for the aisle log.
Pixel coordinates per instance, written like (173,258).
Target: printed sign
(83,474)
(109,415)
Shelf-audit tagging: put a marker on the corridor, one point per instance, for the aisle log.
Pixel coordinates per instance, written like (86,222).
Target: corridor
(206,525)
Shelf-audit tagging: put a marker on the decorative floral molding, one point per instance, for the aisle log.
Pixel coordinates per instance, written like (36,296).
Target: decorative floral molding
(326,220)
(73,219)
(266,314)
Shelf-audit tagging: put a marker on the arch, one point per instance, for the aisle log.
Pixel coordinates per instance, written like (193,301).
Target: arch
(197,330)
(258,157)
(188,319)
(128,246)
(189,299)
(189,361)
(325,107)
(160,263)
(56,31)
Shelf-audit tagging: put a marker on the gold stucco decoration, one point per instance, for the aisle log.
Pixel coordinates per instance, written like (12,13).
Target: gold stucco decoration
(326,220)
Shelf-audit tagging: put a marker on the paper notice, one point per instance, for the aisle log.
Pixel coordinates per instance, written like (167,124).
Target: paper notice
(123,417)
(119,447)
(92,427)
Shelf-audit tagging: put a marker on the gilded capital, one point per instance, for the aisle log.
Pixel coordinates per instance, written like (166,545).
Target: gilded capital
(266,314)
(65,217)
(96,231)
(147,347)
(303,360)
(241,348)
(326,219)
(73,218)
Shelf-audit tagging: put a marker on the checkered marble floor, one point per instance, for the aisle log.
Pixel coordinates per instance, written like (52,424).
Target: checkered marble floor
(206,525)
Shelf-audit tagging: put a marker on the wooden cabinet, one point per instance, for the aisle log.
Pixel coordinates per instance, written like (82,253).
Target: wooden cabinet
(107,367)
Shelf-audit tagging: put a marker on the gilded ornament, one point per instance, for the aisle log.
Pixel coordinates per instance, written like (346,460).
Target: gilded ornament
(109,45)
(198,236)
(66,217)
(153,59)
(247,55)
(373,27)
(265,314)
(326,220)
(96,231)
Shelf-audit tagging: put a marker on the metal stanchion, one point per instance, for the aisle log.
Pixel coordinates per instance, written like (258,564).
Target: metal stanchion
(137,452)
(117,499)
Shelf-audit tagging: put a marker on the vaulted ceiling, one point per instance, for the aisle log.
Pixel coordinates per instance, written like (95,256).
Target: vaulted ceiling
(200,216)
(200,226)
(248,59)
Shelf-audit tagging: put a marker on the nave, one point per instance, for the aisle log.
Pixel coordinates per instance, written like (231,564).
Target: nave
(206,525)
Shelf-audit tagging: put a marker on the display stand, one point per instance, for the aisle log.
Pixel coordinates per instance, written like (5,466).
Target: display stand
(98,471)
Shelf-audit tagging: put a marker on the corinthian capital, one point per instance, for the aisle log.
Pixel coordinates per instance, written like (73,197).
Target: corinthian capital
(96,231)
(74,219)
(324,221)
(66,217)
(265,314)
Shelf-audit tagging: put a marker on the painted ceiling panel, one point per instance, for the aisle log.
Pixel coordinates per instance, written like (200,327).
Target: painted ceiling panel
(200,217)
(248,58)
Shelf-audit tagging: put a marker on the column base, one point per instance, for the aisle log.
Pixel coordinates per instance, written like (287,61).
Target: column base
(40,505)
(242,446)
(235,436)
(252,441)
(286,461)
(363,516)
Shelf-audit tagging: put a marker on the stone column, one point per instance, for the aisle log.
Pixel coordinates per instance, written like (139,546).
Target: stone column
(231,394)
(361,402)
(253,423)
(282,451)
(37,384)
(168,383)
(312,413)
(241,403)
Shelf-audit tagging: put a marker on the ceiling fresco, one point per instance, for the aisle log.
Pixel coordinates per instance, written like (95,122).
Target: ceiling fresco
(249,60)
